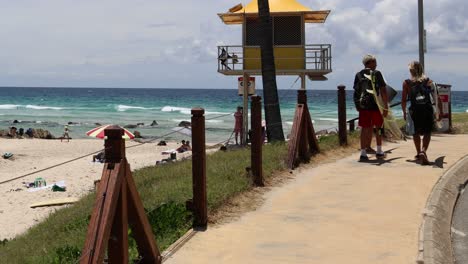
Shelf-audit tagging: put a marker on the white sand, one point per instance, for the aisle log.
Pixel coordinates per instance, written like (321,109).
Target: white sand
(32,155)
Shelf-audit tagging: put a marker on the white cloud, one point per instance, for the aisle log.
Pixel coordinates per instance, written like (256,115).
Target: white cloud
(139,42)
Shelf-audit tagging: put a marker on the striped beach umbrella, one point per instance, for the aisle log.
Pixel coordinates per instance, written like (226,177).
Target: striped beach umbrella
(98,132)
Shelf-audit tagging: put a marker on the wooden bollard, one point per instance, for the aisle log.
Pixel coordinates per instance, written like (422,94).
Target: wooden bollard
(342,133)
(256,141)
(303,150)
(200,211)
(118,206)
(114,145)
(302,97)
(352,126)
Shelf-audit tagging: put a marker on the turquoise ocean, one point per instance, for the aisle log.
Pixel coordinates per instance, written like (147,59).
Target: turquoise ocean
(82,108)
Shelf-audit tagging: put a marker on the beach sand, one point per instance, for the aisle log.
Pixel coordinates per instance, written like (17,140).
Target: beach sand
(31,155)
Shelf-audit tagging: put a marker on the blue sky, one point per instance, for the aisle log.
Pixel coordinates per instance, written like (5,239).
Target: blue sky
(136,43)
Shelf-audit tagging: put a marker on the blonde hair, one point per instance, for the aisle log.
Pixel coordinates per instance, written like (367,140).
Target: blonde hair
(417,71)
(368,58)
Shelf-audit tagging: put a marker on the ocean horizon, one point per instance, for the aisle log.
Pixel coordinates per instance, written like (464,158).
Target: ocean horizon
(82,109)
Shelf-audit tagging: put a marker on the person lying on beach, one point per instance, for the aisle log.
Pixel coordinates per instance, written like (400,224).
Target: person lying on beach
(99,157)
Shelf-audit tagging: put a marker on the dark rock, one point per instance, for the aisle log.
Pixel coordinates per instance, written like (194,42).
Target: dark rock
(15,121)
(42,133)
(154,123)
(72,123)
(140,124)
(130,126)
(97,124)
(185,124)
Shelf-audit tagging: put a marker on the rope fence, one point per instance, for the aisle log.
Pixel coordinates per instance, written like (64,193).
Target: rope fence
(127,147)
(142,142)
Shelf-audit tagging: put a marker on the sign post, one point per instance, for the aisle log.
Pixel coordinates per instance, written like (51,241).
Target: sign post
(245,91)
(446,114)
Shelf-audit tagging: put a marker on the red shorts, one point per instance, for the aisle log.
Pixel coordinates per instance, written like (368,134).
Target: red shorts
(370,118)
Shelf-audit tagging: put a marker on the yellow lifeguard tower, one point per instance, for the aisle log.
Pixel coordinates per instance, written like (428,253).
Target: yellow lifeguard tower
(292,55)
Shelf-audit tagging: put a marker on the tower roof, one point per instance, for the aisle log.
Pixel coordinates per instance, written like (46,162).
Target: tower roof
(276,7)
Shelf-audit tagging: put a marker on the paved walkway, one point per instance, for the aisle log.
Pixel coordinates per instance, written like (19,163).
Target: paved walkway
(342,212)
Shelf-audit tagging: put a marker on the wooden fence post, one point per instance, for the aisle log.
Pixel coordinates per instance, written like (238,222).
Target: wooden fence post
(256,141)
(301,97)
(342,132)
(118,206)
(352,126)
(199,168)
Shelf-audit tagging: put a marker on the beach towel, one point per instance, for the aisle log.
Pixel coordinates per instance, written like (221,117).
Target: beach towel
(59,184)
(169,151)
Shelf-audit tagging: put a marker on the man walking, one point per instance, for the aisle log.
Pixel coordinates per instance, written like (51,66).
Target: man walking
(368,84)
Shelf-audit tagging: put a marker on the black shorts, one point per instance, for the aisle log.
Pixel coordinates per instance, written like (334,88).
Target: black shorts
(423,118)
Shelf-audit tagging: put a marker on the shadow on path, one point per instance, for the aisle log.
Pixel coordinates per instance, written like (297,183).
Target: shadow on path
(437,163)
(380,162)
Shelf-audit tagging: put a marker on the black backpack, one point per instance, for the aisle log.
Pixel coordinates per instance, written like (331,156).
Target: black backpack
(420,93)
(363,100)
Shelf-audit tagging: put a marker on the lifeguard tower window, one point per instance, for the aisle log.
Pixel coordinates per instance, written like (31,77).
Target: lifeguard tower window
(287,30)
(253,32)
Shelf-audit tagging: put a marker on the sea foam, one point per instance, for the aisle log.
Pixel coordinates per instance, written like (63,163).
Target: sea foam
(123,108)
(9,106)
(39,107)
(182,110)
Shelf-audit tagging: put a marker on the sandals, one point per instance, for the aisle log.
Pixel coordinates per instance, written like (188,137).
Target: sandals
(423,158)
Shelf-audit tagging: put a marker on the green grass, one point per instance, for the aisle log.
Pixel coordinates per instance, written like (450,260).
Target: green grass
(164,190)
(460,123)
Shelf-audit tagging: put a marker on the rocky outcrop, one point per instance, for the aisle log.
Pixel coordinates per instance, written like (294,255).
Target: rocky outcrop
(185,124)
(36,133)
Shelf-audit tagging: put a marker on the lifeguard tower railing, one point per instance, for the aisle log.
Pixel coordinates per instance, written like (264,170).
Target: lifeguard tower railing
(314,60)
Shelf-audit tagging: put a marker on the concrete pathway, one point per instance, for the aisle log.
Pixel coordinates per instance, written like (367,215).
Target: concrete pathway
(342,212)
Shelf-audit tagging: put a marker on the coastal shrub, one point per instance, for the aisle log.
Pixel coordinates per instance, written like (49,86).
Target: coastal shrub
(66,254)
(170,218)
(163,190)
(3,242)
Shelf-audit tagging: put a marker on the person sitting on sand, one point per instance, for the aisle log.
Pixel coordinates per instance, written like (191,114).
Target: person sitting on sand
(184,147)
(187,146)
(29,132)
(99,157)
(12,132)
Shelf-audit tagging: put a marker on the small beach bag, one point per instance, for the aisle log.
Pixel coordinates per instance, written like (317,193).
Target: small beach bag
(409,124)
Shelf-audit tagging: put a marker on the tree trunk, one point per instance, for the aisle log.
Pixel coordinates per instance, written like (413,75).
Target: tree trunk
(270,90)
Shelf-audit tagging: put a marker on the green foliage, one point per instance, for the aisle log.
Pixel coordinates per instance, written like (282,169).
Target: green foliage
(3,242)
(66,254)
(163,190)
(169,217)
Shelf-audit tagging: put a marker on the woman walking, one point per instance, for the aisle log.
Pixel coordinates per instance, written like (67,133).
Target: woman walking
(418,90)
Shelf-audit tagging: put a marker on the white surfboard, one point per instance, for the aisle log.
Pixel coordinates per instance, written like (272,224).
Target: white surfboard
(391,126)
(58,201)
